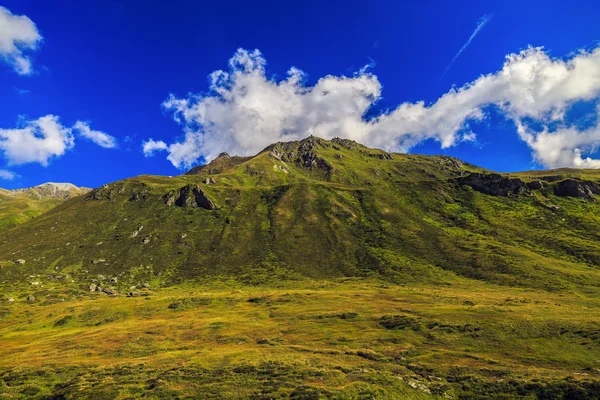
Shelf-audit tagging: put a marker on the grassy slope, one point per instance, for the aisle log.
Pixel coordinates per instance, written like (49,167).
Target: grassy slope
(15,210)
(480,291)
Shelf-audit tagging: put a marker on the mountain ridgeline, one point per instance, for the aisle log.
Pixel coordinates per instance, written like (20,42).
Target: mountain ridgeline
(323,209)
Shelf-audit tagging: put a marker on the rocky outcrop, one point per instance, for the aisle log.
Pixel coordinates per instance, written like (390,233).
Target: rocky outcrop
(535,185)
(577,188)
(494,184)
(302,153)
(193,196)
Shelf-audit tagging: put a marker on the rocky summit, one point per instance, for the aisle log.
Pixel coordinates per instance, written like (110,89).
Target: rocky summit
(313,269)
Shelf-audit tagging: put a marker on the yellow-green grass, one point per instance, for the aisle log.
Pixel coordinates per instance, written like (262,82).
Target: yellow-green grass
(327,337)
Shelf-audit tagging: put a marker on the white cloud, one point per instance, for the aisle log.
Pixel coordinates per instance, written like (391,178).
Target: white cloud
(41,140)
(246,110)
(100,138)
(18,34)
(7,175)
(38,141)
(151,146)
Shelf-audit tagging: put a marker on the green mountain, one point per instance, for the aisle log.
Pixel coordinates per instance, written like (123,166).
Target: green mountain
(315,269)
(324,209)
(20,205)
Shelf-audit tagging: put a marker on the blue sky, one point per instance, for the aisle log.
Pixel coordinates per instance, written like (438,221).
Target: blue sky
(106,70)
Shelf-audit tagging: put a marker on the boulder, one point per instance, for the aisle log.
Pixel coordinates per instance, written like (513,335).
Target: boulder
(494,184)
(108,291)
(20,261)
(30,298)
(93,287)
(10,300)
(577,188)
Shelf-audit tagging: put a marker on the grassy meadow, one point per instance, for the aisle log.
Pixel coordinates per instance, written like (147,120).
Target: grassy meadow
(342,339)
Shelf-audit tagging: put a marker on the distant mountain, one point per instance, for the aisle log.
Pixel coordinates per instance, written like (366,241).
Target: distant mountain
(20,205)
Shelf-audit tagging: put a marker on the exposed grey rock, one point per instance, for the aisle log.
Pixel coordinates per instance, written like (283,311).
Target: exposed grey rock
(10,299)
(136,232)
(535,185)
(190,196)
(146,240)
(93,287)
(30,298)
(494,184)
(139,196)
(98,261)
(145,285)
(20,261)
(113,279)
(577,188)
(108,291)
(169,198)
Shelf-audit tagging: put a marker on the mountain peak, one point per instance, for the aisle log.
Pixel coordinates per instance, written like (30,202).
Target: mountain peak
(54,190)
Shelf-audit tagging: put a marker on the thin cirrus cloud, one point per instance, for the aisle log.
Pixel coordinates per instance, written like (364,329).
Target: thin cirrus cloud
(44,139)
(483,21)
(18,36)
(245,110)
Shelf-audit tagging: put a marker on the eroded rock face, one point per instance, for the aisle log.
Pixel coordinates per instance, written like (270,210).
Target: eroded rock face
(193,196)
(494,184)
(576,188)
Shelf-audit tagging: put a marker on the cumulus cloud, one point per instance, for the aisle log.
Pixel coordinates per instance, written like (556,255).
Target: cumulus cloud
(38,141)
(7,175)
(18,35)
(41,140)
(245,110)
(151,146)
(100,138)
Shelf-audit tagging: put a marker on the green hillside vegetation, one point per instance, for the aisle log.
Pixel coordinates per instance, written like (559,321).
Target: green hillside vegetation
(316,269)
